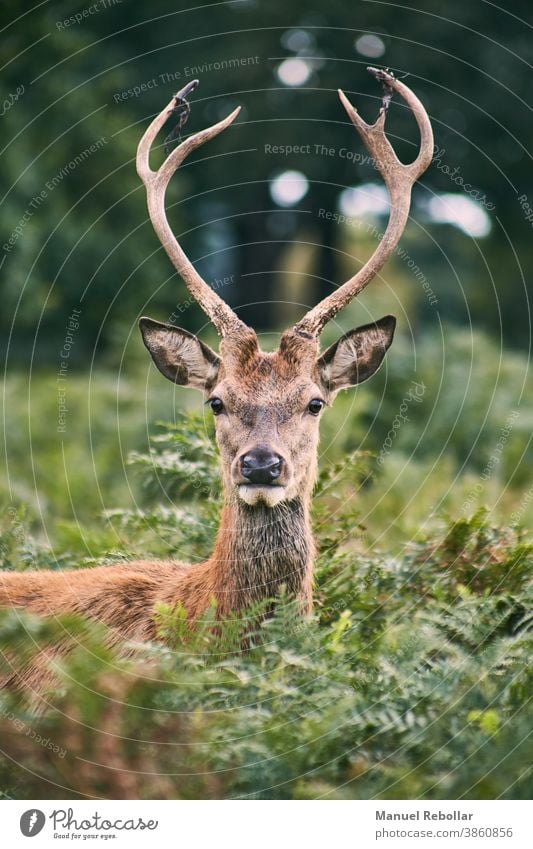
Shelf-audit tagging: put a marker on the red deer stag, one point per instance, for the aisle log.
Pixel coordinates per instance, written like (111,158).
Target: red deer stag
(267,407)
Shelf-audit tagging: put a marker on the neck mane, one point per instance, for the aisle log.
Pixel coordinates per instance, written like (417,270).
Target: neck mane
(260,549)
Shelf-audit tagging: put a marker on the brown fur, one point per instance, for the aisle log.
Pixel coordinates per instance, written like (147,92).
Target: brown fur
(262,545)
(264,539)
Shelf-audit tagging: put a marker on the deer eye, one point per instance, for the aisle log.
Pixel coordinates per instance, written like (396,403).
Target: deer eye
(315,406)
(216,405)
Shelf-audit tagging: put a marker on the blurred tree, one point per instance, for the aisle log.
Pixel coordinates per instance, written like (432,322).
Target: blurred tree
(89,230)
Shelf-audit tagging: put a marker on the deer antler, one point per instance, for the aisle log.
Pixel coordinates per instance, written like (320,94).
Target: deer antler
(156,182)
(399,180)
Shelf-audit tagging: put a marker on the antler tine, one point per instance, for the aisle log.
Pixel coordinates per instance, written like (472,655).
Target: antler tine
(399,179)
(156,182)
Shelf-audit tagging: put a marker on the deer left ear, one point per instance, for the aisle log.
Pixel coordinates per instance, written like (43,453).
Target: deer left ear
(356,355)
(179,355)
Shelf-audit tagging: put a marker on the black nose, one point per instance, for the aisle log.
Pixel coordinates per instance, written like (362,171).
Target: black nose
(261,465)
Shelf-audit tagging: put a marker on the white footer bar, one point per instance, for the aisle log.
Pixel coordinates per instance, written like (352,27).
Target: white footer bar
(268,824)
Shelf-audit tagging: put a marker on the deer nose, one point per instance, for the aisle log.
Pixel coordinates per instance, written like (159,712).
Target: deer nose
(261,465)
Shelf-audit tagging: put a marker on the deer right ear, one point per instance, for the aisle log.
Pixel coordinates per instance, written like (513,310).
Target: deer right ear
(179,355)
(357,354)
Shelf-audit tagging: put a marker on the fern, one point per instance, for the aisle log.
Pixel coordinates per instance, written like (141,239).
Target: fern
(412,678)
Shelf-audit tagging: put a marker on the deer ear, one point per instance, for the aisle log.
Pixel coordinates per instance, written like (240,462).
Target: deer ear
(356,355)
(179,355)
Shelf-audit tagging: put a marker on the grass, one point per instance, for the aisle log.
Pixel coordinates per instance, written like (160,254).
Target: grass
(411,679)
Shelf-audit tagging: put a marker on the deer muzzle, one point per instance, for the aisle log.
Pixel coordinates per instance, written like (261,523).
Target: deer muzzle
(261,466)
(261,476)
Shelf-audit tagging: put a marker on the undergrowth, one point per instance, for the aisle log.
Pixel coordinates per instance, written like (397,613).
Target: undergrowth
(410,680)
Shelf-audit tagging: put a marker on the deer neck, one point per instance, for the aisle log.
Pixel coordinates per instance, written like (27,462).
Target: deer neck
(260,549)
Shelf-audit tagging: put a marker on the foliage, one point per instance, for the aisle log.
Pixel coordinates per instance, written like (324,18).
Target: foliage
(412,678)
(183,461)
(180,470)
(436,463)
(102,77)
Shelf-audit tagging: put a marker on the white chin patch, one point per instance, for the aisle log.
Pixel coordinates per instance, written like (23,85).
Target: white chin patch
(267,495)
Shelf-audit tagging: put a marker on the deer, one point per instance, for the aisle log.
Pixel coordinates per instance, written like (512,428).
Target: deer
(266,407)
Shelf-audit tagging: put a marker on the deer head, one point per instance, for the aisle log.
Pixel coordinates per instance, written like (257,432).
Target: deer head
(267,405)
